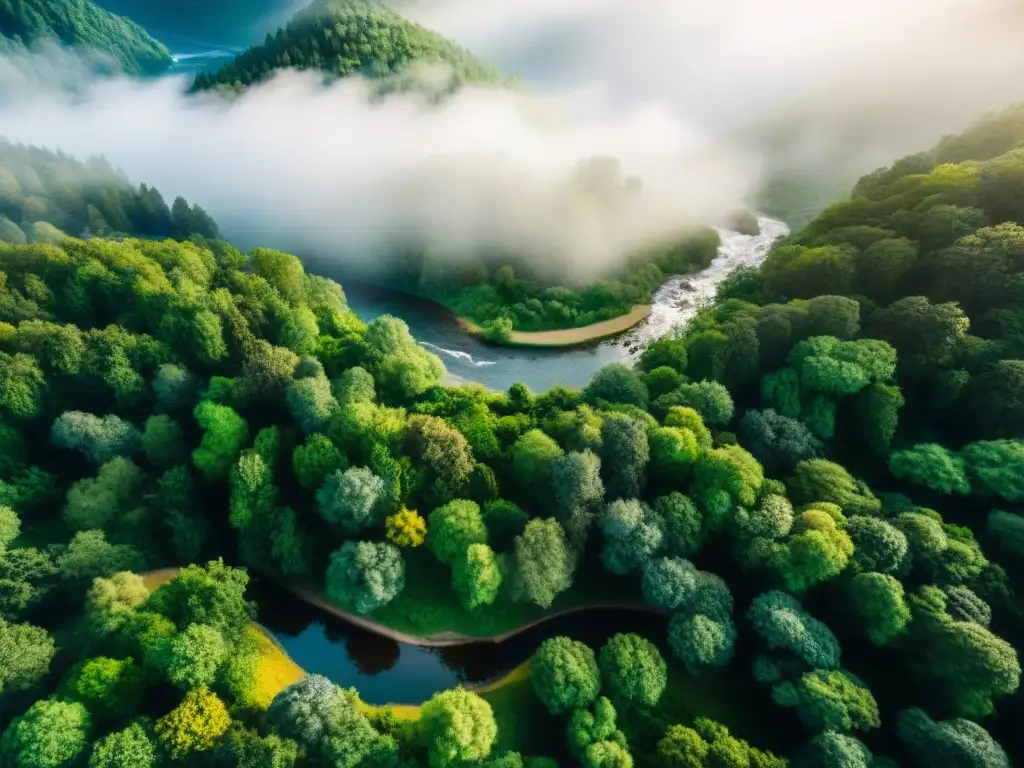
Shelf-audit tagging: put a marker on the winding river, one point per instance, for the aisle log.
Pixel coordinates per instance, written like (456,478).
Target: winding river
(470,359)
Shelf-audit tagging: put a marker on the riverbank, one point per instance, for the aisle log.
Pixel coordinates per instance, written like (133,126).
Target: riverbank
(565,337)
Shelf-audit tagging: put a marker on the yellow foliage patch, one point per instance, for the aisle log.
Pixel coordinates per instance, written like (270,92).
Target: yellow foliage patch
(275,671)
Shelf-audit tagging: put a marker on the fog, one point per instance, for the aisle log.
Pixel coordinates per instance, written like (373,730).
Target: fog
(695,99)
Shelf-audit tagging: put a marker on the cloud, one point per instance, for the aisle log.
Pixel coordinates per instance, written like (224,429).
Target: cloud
(693,98)
(327,171)
(877,78)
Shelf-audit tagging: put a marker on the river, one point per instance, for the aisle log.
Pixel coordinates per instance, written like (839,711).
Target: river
(468,358)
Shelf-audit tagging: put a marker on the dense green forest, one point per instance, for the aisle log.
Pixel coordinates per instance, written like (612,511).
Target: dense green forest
(345,37)
(46,195)
(82,24)
(819,483)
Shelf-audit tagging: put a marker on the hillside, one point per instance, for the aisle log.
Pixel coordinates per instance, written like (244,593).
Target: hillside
(45,196)
(82,24)
(221,23)
(346,37)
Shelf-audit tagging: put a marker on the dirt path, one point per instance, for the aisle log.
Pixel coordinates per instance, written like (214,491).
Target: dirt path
(568,337)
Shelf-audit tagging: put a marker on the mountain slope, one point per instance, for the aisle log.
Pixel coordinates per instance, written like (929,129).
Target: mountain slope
(81,24)
(346,38)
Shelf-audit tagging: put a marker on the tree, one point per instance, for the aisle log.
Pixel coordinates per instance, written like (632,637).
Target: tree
(701,640)
(544,561)
(576,481)
(681,523)
(110,603)
(669,582)
(682,747)
(225,435)
(93,503)
(817,549)
(956,742)
(50,734)
(673,452)
(723,479)
(311,403)
(777,441)
(665,351)
(406,528)
(315,461)
(175,388)
(195,725)
(458,726)
(877,544)
(932,466)
(709,398)
(110,688)
(162,441)
(444,451)
(877,600)
(588,726)
(564,674)
(476,576)
(632,536)
(504,521)
(313,711)
(127,748)
(997,467)
(89,555)
(534,458)
(350,499)
(607,754)
(365,575)
(98,439)
(21,385)
(662,380)
(785,626)
(633,669)
(402,368)
(615,383)
(830,699)
(830,749)
(355,385)
(1007,529)
(924,335)
(453,527)
(624,455)
(822,480)
(212,594)
(994,401)
(195,656)
(25,655)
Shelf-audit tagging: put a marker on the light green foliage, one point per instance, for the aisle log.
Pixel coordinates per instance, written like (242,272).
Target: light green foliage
(195,725)
(10,527)
(51,734)
(829,366)
(785,626)
(673,452)
(355,385)
(212,594)
(723,478)
(830,699)
(476,576)
(127,748)
(701,631)
(577,430)
(25,655)
(877,544)
(633,669)
(632,535)
(565,675)
(607,754)
(669,582)
(93,503)
(956,742)
(821,480)
(107,687)
(458,726)
(311,403)
(453,527)
(315,461)
(21,385)
(932,466)
(99,439)
(110,603)
(544,563)
(223,439)
(682,747)
(661,381)
(195,656)
(624,455)
(587,726)
(401,367)
(709,398)
(365,575)
(818,549)
(534,457)
(615,383)
(89,555)
(877,600)
(962,604)
(680,417)
(350,499)
(664,352)
(997,466)
(162,441)
(709,743)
